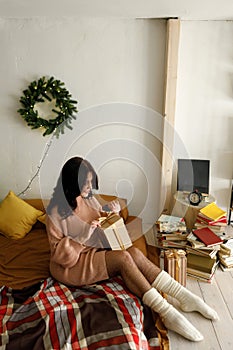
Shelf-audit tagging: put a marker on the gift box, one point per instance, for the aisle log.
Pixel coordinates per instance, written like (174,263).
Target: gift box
(115,232)
(175,263)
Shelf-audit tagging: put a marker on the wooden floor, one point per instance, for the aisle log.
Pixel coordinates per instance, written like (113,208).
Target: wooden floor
(218,335)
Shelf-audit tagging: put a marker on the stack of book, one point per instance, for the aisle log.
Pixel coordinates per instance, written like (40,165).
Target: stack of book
(225,255)
(202,257)
(213,217)
(202,266)
(171,232)
(205,242)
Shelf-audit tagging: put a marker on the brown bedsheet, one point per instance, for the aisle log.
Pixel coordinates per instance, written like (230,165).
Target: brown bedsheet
(25,261)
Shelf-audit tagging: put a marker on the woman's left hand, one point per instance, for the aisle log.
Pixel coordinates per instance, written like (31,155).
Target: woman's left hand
(114,206)
(94,224)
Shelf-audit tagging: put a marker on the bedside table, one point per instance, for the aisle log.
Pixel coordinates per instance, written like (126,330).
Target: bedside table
(189,212)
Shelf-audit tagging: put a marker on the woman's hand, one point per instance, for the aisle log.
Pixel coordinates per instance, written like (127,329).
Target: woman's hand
(92,226)
(114,206)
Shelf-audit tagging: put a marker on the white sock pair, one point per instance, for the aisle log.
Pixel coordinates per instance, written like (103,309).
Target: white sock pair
(188,301)
(171,318)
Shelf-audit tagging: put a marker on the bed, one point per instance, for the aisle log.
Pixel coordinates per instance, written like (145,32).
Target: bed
(37,312)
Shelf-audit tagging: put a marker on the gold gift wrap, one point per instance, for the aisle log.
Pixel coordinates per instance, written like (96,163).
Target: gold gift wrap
(175,263)
(115,231)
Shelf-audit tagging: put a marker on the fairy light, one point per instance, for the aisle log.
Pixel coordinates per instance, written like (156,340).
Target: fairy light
(54,126)
(48,145)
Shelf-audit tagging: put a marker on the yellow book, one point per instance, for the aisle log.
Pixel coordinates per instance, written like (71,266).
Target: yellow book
(213,212)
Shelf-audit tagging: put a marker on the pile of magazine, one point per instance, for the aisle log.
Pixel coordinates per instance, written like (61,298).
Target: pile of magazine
(171,232)
(225,255)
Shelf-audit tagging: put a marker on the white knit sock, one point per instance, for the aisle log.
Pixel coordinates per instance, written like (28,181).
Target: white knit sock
(188,301)
(171,318)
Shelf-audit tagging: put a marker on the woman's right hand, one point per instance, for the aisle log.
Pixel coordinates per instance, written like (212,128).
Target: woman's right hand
(93,225)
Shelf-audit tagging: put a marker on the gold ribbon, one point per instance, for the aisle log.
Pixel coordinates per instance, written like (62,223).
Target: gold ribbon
(104,219)
(176,254)
(114,228)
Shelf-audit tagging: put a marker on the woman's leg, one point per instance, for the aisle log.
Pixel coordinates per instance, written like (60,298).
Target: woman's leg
(188,301)
(122,262)
(162,281)
(147,268)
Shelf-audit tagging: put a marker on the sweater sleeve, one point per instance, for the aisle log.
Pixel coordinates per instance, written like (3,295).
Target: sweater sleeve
(64,250)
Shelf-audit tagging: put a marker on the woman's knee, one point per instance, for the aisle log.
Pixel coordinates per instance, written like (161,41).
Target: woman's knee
(136,253)
(117,260)
(123,257)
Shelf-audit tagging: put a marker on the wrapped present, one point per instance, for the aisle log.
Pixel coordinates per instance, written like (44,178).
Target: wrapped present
(175,263)
(115,231)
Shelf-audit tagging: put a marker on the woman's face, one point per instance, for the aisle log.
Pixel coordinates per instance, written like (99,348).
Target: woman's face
(88,186)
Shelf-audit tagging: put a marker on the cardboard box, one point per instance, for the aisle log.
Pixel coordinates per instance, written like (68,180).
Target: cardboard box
(115,231)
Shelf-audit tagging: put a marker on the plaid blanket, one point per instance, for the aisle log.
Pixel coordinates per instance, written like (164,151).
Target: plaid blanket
(50,315)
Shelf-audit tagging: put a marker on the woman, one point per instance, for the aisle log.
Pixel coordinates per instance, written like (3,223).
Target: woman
(71,225)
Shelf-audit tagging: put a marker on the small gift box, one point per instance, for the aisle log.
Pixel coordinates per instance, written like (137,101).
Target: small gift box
(175,263)
(115,231)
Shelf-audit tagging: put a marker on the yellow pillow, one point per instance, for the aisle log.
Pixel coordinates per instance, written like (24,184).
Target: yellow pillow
(16,216)
(42,219)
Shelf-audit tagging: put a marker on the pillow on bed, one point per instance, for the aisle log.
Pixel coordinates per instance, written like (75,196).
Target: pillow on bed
(42,219)
(16,216)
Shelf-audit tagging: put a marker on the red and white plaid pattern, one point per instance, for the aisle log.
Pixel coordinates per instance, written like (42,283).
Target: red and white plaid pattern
(51,316)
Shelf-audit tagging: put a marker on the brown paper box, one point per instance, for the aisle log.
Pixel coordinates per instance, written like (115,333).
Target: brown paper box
(115,232)
(175,263)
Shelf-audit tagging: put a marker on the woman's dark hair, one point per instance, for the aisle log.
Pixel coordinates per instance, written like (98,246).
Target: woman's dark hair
(70,183)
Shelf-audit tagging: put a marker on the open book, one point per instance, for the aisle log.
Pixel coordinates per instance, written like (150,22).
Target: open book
(115,231)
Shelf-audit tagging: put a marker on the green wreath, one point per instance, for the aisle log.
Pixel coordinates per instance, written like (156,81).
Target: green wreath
(48,89)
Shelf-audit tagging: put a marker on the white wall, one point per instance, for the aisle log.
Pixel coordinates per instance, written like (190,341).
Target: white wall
(101,61)
(204,110)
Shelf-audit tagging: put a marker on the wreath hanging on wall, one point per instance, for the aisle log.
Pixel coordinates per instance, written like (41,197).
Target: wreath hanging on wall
(50,90)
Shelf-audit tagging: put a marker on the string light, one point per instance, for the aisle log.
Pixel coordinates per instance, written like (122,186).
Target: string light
(48,145)
(55,125)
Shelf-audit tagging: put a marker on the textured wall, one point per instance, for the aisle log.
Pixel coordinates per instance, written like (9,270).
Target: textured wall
(101,61)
